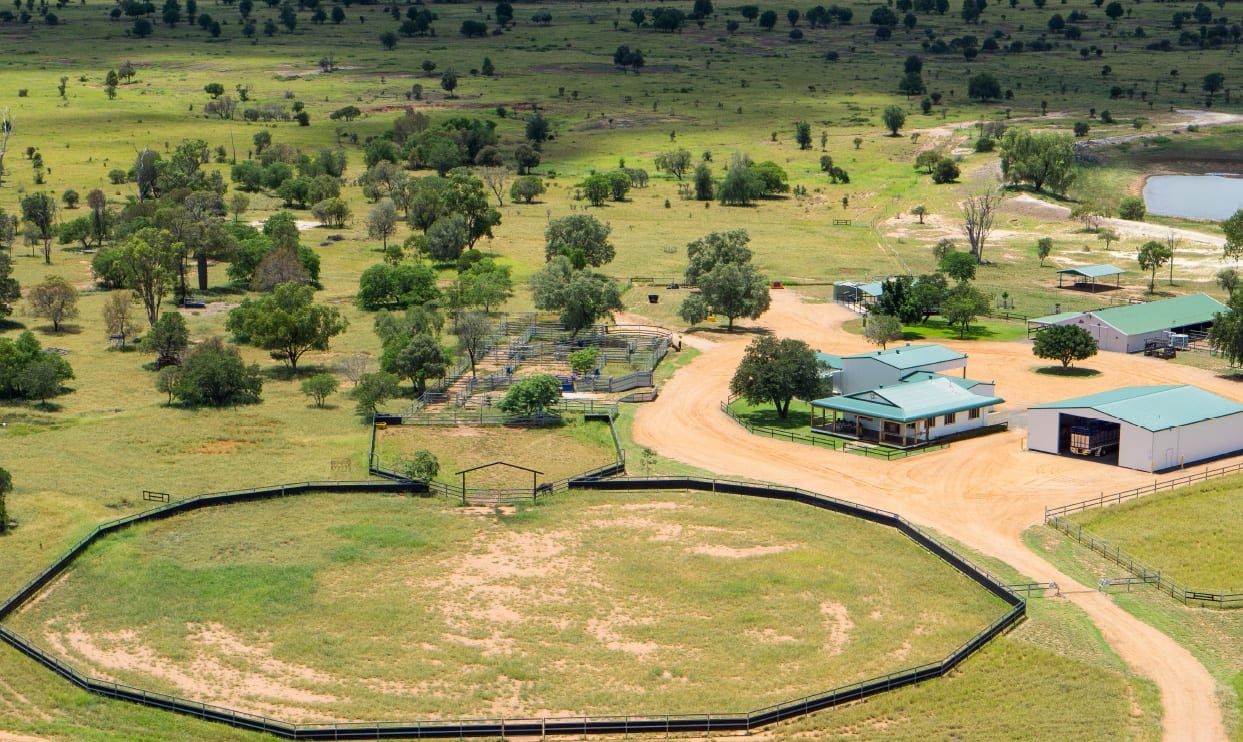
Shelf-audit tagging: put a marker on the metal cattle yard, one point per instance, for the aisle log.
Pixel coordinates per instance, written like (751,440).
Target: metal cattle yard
(523,344)
(618,724)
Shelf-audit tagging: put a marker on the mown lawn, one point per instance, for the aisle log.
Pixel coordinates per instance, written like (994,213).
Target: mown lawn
(938,329)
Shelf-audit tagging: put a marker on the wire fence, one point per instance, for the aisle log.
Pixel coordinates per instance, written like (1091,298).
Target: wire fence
(1113,498)
(1058,518)
(1150,575)
(530,726)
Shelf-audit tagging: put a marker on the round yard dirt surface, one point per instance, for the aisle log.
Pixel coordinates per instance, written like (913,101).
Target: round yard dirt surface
(375,608)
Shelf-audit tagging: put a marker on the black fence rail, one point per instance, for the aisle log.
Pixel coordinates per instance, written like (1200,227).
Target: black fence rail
(546,726)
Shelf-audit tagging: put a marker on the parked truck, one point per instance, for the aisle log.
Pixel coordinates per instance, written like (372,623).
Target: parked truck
(1093,439)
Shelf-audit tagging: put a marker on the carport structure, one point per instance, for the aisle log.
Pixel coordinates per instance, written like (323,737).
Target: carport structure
(1085,277)
(1149,428)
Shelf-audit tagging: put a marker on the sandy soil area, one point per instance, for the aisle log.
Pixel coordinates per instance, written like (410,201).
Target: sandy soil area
(984,492)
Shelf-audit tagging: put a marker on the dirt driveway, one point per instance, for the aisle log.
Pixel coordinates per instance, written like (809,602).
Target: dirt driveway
(984,492)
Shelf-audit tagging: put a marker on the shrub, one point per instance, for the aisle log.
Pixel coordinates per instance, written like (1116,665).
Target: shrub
(319,387)
(1132,208)
(213,374)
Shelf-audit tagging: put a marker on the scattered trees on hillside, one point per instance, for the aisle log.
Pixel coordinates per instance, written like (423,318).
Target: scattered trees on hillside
(526,189)
(961,306)
(777,371)
(213,374)
(979,211)
(719,264)
(894,117)
(1064,343)
(1044,246)
(1132,209)
(882,329)
(55,299)
(1152,255)
(580,237)
(6,486)
(1041,160)
(373,390)
(1233,228)
(1226,334)
(396,286)
(286,322)
(319,387)
(984,87)
(27,372)
(580,295)
(10,289)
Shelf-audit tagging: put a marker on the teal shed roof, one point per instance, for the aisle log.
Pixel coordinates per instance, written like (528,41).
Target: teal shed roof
(1093,271)
(909,401)
(915,376)
(913,356)
(1055,319)
(832,361)
(1153,316)
(1153,407)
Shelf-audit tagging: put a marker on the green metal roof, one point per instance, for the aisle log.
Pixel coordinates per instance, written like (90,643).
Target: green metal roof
(832,361)
(913,356)
(1137,319)
(1054,319)
(1093,271)
(875,288)
(905,402)
(915,376)
(1153,407)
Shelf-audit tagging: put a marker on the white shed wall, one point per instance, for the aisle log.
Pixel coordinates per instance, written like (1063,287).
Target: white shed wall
(1142,449)
(861,374)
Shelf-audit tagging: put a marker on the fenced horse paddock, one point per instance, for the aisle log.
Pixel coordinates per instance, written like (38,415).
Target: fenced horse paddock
(316,621)
(487,458)
(1182,536)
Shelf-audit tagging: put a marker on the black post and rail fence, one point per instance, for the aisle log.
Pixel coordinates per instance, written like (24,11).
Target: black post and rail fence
(624,724)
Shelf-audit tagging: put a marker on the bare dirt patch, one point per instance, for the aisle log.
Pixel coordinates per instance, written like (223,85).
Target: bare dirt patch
(223,668)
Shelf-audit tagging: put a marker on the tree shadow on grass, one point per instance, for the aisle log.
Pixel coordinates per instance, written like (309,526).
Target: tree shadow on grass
(739,330)
(1068,371)
(64,330)
(7,324)
(1232,375)
(284,373)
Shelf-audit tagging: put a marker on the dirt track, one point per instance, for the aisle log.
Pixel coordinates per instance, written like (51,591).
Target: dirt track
(984,492)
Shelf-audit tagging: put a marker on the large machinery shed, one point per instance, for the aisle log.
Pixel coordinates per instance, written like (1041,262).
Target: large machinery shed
(1149,428)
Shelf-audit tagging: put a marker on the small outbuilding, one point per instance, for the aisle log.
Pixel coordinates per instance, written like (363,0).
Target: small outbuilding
(1149,428)
(1129,328)
(1086,277)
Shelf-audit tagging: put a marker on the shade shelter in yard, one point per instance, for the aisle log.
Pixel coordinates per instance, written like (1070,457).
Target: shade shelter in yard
(1085,277)
(1149,428)
(910,413)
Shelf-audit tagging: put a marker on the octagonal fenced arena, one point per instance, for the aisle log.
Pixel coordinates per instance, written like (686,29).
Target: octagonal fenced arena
(640,605)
